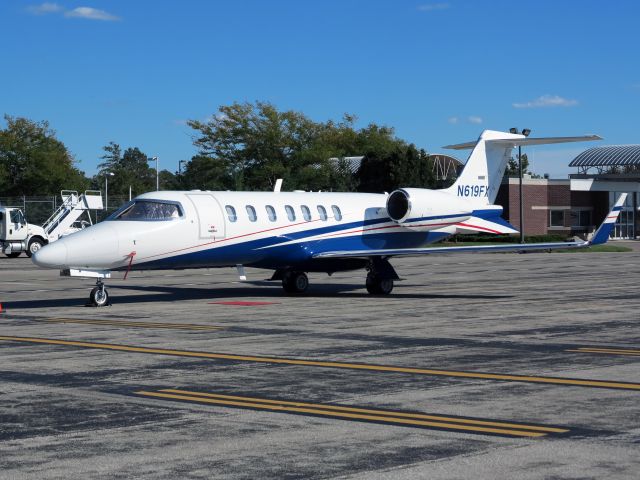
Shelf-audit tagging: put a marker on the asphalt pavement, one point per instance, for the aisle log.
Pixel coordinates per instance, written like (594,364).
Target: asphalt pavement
(477,365)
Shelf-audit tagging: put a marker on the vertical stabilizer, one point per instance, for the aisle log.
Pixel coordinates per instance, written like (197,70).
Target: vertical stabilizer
(480,179)
(482,175)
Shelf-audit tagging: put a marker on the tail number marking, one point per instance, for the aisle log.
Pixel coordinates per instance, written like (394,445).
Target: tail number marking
(473,191)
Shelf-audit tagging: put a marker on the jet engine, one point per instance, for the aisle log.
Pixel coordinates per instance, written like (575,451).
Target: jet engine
(423,209)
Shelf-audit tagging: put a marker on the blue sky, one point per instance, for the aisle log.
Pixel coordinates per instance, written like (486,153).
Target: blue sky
(439,72)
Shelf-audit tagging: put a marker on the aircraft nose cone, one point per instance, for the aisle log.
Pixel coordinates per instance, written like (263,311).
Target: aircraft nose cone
(53,255)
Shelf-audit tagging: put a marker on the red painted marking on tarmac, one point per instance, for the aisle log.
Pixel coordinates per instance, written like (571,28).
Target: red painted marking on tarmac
(244,304)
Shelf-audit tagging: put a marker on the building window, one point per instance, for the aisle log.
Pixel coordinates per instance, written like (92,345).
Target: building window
(291,214)
(323,212)
(306,213)
(231,213)
(556,218)
(252,213)
(271,213)
(337,214)
(580,218)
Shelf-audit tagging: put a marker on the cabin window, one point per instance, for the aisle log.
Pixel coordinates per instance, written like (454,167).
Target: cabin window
(291,213)
(252,213)
(337,214)
(148,210)
(231,213)
(271,213)
(306,213)
(323,212)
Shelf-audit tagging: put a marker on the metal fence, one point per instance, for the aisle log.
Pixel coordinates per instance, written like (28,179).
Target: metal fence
(38,209)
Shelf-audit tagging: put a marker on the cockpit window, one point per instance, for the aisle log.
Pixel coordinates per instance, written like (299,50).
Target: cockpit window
(148,210)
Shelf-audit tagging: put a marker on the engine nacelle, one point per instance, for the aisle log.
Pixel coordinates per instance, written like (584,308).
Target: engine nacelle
(423,210)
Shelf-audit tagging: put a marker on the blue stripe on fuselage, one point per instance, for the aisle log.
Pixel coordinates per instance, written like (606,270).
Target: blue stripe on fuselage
(253,253)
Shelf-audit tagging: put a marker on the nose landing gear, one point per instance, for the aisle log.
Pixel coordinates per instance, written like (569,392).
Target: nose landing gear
(99,297)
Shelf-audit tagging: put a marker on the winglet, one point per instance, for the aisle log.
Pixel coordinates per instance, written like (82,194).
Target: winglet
(602,234)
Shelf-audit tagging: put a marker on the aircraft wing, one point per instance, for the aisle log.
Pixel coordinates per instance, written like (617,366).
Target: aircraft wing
(407,252)
(599,237)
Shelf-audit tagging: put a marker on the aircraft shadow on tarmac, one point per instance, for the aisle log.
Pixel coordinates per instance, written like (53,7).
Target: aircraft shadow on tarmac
(254,289)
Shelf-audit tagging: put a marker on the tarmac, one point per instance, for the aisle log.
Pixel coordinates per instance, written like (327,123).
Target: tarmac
(493,366)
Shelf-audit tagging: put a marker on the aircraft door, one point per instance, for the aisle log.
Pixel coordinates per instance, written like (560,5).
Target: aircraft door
(210,216)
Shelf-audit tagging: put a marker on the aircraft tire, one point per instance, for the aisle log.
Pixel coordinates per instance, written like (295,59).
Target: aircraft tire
(379,286)
(99,297)
(295,282)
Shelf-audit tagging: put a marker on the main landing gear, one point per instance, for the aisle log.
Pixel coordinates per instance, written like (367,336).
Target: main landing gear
(295,282)
(377,285)
(99,297)
(380,278)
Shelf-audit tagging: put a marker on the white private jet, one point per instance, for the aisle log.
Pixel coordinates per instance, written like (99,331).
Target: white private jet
(297,232)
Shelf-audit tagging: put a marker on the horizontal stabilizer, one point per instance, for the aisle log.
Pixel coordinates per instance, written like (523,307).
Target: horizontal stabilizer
(525,141)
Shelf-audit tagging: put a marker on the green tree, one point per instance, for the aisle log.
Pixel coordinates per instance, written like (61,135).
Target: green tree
(249,146)
(206,173)
(402,166)
(129,169)
(513,169)
(34,162)
(258,144)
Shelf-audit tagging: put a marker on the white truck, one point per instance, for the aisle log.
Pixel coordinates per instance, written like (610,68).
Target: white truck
(17,236)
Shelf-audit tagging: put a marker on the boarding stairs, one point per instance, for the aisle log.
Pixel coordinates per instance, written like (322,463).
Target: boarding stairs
(72,207)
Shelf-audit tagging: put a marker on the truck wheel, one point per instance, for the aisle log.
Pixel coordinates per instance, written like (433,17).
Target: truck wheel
(34,245)
(13,254)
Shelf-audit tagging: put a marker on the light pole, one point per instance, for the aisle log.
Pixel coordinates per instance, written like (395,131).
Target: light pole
(106,189)
(157,172)
(525,132)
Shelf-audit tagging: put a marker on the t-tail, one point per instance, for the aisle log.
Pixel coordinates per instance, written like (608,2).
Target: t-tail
(482,175)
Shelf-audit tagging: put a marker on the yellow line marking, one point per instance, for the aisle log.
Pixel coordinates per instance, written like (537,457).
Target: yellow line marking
(420,416)
(122,323)
(610,351)
(354,416)
(350,366)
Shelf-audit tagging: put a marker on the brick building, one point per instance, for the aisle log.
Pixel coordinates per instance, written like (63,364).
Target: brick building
(575,206)
(551,207)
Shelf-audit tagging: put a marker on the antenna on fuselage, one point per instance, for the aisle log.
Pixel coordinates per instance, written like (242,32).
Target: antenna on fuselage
(278,185)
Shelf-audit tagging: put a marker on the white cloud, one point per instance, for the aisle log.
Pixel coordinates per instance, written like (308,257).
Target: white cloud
(474,119)
(430,7)
(453,120)
(44,8)
(547,101)
(91,14)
